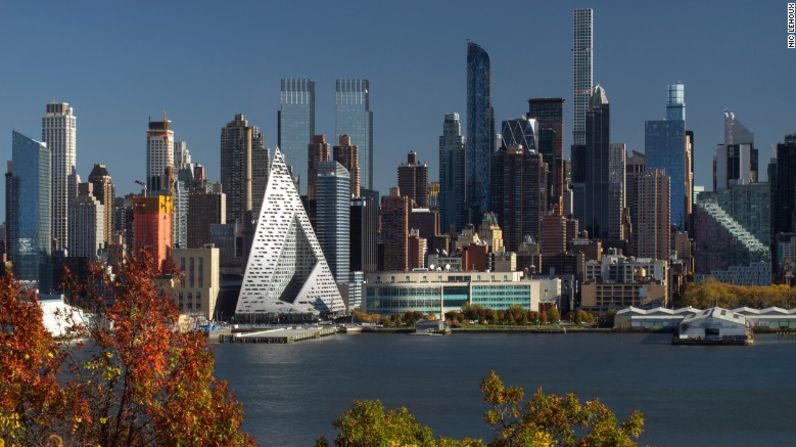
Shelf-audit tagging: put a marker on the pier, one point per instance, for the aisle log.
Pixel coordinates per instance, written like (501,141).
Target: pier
(279,335)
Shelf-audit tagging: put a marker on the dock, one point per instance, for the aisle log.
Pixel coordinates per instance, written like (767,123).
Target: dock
(279,335)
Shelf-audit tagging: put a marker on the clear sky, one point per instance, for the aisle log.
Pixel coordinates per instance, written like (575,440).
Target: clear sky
(118,63)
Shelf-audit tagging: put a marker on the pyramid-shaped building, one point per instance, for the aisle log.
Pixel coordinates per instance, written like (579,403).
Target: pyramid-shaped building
(286,271)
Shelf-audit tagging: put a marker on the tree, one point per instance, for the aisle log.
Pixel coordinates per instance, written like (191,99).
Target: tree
(136,381)
(553,315)
(545,420)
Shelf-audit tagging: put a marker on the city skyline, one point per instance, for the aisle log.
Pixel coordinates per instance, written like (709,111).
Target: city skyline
(635,98)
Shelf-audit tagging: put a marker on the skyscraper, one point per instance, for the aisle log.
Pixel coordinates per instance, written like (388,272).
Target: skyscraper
(318,151)
(521,131)
(782,176)
(31,206)
(635,165)
(413,180)
(86,223)
(159,154)
(354,118)
(103,190)
(452,198)
(347,155)
(735,161)
(332,223)
(480,130)
(296,125)
(205,208)
(592,207)
(395,210)
(666,148)
(237,139)
(182,156)
(549,114)
(286,270)
(616,191)
(260,168)
(519,181)
(582,52)
(58,132)
(152,227)
(653,205)
(364,229)
(179,218)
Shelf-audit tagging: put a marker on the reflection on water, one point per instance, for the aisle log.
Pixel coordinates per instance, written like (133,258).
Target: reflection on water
(691,395)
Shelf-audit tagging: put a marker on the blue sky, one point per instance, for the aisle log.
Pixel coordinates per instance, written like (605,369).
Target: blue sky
(120,62)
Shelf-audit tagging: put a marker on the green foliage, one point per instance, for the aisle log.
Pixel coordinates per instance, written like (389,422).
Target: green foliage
(514,315)
(545,420)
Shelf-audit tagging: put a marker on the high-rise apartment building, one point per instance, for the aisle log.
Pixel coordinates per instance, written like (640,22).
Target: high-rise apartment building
(318,151)
(735,161)
(413,180)
(296,125)
(653,203)
(182,156)
(549,114)
(480,130)
(152,227)
(452,198)
(666,147)
(635,165)
(616,191)
(395,210)
(103,190)
(260,168)
(592,199)
(582,52)
(159,155)
(86,223)
(347,154)
(354,118)
(179,218)
(59,133)
(333,214)
(237,139)
(205,208)
(519,199)
(30,218)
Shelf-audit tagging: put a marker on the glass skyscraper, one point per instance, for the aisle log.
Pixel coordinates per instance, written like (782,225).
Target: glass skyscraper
(452,200)
(665,148)
(354,118)
(31,181)
(296,125)
(549,113)
(332,222)
(582,68)
(522,131)
(596,194)
(480,130)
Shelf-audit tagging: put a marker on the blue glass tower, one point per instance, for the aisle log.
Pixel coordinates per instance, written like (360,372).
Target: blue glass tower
(354,118)
(30,217)
(296,125)
(332,222)
(452,200)
(480,130)
(666,148)
(522,131)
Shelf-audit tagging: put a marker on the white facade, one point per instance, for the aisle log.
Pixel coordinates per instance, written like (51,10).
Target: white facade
(286,271)
(160,150)
(59,132)
(86,224)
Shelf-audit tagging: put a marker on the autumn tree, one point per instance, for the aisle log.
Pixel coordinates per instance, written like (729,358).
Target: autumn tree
(134,381)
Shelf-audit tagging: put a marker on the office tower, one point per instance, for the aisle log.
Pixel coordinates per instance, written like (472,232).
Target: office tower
(549,114)
(635,165)
(452,197)
(286,271)
(260,167)
(666,148)
(182,156)
(179,218)
(58,132)
(582,52)
(30,219)
(364,229)
(197,291)
(354,118)
(237,139)
(616,191)
(205,208)
(519,199)
(152,228)
(296,125)
(318,151)
(654,219)
(86,224)
(782,178)
(347,155)
(159,154)
(103,190)
(333,214)
(395,210)
(735,161)
(413,180)
(480,130)
(521,131)
(592,200)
